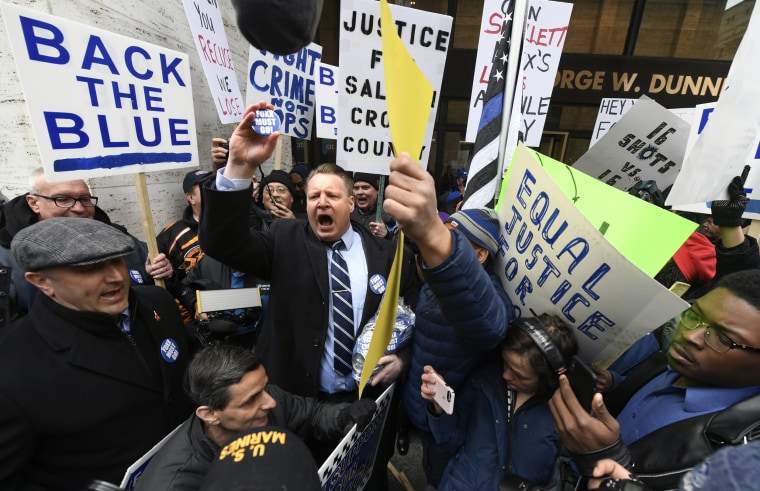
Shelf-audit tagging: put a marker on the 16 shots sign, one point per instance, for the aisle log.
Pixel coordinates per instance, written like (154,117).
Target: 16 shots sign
(101,103)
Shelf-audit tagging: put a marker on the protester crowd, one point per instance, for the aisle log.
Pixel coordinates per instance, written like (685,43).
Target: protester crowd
(100,365)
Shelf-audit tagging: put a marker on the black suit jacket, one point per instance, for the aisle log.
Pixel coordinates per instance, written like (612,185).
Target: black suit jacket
(79,400)
(291,257)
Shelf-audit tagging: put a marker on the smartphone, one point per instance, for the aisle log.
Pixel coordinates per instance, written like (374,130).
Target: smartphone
(271,196)
(444,395)
(227,155)
(583,382)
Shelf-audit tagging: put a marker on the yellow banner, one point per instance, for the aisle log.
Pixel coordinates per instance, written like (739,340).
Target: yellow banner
(408,97)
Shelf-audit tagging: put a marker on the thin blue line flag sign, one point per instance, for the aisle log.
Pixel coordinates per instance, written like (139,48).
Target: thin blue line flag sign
(101,103)
(483,167)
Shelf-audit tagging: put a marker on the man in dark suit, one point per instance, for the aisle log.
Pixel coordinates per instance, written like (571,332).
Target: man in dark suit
(296,343)
(93,374)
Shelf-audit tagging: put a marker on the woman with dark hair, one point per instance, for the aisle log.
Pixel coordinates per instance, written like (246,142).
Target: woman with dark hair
(501,423)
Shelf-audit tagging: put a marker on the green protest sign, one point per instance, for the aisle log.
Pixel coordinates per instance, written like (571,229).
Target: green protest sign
(645,234)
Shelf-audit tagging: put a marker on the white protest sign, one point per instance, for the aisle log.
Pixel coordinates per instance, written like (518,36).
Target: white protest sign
(732,139)
(647,143)
(545,30)
(612,109)
(327,101)
(134,471)
(752,185)
(288,83)
(350,464)
(101,103)
(553,260)
(364,140)
(206,24)
(490,33)
(610,112)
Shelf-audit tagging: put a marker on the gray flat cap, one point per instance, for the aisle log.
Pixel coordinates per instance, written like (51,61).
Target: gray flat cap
(68,242)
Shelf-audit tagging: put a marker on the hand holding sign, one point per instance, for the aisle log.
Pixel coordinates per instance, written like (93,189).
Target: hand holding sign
(249,149)
(410,198)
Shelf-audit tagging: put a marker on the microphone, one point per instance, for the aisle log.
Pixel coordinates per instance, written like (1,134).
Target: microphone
(281,27)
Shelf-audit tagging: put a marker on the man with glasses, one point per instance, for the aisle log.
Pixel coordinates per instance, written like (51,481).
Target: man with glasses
(712,364)
(63,199)
(274,199)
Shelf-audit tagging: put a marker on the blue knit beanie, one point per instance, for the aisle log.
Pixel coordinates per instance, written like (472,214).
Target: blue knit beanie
(480,225)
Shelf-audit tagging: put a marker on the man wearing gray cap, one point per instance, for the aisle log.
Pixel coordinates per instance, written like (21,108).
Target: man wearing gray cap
(94,371)
(47,200)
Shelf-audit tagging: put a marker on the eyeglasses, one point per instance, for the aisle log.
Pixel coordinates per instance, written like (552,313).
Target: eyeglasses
(69,202)
(277,190)
(714,338)
(299,184)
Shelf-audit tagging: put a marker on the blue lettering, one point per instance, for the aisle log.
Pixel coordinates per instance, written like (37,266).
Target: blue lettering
(327,115)
(529,263)
(252,75)
(175,131)
(510,269)
(594,279)
(128,59)
(170,69)
(326,76)
(94,48)
(106,135)
(560,292)
(130,95)
(524,187)
(524,288)
(33,41)
(75,129)
(277,76)
(91,83)
(522,247)
(510,226)
(296,88)
(310,92)
(574,300)
(577,258)
(536,213)
(596,320)
(549,223)
(141,134)
(150,99)
(549,269)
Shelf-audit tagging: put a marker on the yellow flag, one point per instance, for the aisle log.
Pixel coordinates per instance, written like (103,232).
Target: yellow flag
(409,95)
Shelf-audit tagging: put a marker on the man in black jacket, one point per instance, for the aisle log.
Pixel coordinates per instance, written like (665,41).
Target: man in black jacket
(64,199)
(230,388)
(297,340)
(93,373)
